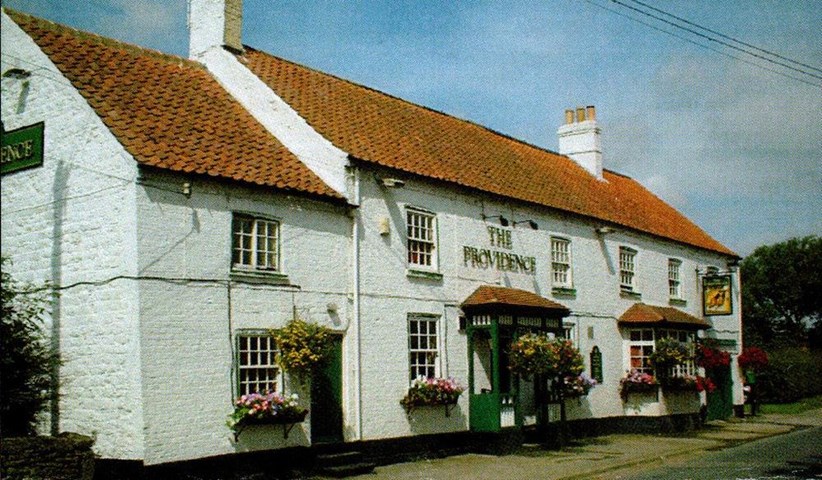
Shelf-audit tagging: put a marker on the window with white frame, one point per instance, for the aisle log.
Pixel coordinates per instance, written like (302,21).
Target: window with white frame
(569,332)
(640,347)
(256,243)
(422,239)
(642,343)
(423,346)
(257,369)
(627,268)
(561,273)
(674,281)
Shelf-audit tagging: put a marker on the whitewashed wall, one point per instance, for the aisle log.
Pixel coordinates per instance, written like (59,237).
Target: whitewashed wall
(389,293)
(71,221)
(188,325)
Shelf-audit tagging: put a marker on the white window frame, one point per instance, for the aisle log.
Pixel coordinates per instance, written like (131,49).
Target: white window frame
(247,231)
(421,239)
(423,345)
(561,263)
(644,339)
(675,278)
(627,269)
(255,363)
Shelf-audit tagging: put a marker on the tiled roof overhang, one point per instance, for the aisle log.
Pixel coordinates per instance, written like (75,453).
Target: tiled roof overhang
(641,314)
(169,112)
(504,300)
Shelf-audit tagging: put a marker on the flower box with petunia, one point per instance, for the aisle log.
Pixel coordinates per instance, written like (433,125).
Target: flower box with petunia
(578,386)
(637,382)
(270,408)
(431,391)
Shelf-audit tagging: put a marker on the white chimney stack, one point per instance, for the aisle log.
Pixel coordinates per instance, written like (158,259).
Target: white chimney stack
(579,139)
(214,23)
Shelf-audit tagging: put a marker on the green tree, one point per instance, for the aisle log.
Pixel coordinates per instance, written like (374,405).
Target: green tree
(25,357)
(781,291)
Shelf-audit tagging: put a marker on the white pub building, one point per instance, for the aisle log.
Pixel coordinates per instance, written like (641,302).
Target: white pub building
(183,208)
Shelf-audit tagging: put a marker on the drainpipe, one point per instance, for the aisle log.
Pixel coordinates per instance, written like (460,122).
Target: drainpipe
(355,234)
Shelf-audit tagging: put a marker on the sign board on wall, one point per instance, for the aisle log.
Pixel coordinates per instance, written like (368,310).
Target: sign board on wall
(716,295)
(22,148)
(495,259)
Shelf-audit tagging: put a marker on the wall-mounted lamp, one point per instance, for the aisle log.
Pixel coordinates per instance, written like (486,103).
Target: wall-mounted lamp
(17,74)
(332,308)
(502,220)
(604,230)
(390,182)
(187,189)
(530,223)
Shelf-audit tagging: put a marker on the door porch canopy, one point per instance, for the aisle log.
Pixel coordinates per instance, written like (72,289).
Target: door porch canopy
(494,317)
(642,315)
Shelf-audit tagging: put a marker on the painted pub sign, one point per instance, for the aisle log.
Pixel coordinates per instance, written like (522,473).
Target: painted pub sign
(716,295)
(22,148)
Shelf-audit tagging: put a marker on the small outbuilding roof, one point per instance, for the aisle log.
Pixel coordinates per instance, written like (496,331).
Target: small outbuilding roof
(642,314)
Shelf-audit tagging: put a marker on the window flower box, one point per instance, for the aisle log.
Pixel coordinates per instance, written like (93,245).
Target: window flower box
(687,383)
(266,409)
(432,391)
(638,382)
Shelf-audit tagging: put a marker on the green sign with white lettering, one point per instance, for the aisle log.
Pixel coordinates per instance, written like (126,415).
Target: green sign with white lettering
(22,148)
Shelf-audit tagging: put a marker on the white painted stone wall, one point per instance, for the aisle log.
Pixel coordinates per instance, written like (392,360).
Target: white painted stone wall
(390,294)
(188,326)
(71,222)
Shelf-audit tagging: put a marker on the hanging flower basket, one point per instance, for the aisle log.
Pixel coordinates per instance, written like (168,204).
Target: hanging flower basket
(535,354)
(753,359)
(302,347)
(431,391)
(709,357)
(637,382)
(668,353)
(265,409)
(578,386)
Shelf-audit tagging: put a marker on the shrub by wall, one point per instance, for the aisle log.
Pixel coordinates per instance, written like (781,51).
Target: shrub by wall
(793,373)
(67,456)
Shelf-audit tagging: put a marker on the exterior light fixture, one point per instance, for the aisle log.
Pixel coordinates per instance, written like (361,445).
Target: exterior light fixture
(530,223)
(502,220)
(17,74)
(390,182)
(604,230)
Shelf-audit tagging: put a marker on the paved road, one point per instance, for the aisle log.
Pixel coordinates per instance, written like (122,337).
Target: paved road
(793,456)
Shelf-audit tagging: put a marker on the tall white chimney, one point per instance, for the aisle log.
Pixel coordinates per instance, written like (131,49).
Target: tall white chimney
(214,23)
(579,139)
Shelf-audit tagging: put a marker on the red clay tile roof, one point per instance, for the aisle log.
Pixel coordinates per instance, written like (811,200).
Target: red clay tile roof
(504,298)
(377,128)
(643,314)
(169,112)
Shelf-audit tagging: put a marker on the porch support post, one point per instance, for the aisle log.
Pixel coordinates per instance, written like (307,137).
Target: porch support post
(495,360)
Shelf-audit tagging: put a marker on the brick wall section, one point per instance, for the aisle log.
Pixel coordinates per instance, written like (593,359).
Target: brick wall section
(65,457)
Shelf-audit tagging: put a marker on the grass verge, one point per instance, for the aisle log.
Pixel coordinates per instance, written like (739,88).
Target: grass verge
(795,407)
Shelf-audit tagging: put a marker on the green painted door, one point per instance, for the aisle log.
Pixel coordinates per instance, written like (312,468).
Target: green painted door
(720,401)
(326,399)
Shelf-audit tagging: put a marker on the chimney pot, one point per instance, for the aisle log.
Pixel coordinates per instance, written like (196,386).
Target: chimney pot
(580,114)
(569,116)
(591,112)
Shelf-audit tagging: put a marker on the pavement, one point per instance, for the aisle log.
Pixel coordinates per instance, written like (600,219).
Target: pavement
(595,457)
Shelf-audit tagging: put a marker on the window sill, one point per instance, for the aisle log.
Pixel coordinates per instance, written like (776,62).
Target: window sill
(564,291)
(630,294)
(413,273)
(259,277)
(678,302)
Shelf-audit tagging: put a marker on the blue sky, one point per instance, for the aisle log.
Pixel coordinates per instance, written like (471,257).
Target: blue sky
(736,148)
